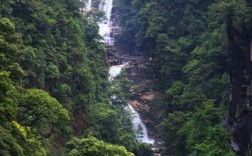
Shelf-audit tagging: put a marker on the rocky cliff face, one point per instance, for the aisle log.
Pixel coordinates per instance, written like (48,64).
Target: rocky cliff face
(144,95)
(240,106)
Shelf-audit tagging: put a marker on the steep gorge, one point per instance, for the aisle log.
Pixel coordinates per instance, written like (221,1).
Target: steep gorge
(198,48)
(56,98)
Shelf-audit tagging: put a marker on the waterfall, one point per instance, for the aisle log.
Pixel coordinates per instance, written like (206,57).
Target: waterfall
(138,126)
(105,26)
(88,5)
(115,70)
(105,31)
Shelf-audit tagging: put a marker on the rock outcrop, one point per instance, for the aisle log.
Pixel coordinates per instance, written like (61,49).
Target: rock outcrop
(240,105)
(143,95)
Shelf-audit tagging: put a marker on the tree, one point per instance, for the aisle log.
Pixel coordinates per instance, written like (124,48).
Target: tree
(187,42)
(9,44)
(168,130)
(36,105)
(94,147)
(8,104)
(8,144)
(96,15)
(204,134)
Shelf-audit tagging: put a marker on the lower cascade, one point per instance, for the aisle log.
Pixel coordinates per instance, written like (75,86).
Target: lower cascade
(138,126)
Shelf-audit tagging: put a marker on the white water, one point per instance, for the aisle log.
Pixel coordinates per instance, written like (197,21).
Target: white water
(115,71)
(105,30)
(89,4)
(105,26)
(138,126)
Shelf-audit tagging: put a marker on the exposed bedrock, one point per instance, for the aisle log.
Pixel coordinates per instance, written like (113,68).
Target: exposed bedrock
(144,96)
(240,105)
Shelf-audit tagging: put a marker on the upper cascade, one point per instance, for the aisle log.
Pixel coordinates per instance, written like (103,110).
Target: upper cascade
(88,7)
(115,71)
(105,26)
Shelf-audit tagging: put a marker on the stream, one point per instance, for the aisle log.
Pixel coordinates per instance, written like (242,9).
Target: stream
(106,31)
(105,26)
(139,127)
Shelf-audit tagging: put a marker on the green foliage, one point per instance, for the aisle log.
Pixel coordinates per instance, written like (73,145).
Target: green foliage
(31,143)
(107,119)
(96,15)
(52,71)
(113,125)
(170,58)
(8,144)
(175,89)
(7,27)
(55,50)
(169,129)
(9,43)
(120,87)
(239,11)
(205,136)
(36,105)
(187,41)
(58,55)
(8,104)
(93,147)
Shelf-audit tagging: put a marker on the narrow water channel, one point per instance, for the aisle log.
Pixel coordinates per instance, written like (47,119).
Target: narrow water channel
(138,126)
(105,30)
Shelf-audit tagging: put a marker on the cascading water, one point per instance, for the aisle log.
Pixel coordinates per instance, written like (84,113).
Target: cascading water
(138,126)
(115,70)
(105,26)
(105,31)
(89,4)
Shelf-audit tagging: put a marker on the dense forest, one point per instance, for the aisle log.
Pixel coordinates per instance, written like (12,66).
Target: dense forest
(198,47)
(53,83)
(54,88)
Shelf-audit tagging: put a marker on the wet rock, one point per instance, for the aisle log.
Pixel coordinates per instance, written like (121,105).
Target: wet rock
(143,95)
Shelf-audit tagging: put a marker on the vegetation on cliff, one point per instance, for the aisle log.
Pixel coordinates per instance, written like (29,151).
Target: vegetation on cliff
(188,43)
(53,83)
(54,94)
